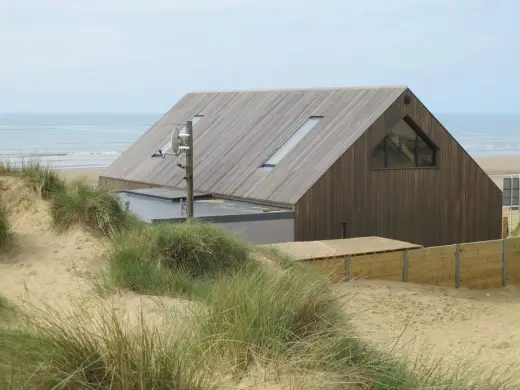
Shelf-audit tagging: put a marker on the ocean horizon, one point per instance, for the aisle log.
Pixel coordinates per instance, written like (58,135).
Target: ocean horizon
(94,141)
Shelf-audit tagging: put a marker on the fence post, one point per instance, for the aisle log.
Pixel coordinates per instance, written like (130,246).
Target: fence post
(405,265)
(347,268)
(457,266)
(504,263)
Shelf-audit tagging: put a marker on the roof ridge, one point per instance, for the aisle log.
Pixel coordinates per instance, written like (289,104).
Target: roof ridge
(339,88)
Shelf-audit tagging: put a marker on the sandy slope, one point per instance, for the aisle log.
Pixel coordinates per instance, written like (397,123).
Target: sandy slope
(457,325)
(55,269)
(44,267)
(51,270)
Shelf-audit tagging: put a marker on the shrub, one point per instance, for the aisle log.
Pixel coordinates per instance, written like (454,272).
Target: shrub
(5,227)
(96,209)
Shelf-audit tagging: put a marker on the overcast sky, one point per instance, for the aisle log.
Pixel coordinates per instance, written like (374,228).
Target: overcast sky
(143,55)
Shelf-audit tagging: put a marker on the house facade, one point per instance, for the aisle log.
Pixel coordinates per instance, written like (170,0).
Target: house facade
(350,162)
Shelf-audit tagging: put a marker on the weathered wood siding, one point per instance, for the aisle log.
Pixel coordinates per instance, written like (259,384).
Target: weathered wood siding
(120,184)
(455,202)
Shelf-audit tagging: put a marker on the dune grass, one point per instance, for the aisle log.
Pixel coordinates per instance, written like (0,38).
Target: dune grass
(74,203)
(8,310)
(44,181)
(6,234)
(96,209)
(84,352)
(174,259)
(276,313)
(284,320)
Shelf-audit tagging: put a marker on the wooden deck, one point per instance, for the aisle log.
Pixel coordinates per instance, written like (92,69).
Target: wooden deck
(312,250)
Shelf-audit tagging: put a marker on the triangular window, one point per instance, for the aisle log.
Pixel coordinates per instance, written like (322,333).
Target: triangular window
(404,147)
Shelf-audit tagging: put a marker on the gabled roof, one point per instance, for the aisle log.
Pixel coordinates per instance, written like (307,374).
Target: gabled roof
(241,130)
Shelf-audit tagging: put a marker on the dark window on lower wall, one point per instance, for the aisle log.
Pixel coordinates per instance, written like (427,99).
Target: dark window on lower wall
(404,147)
(511,191)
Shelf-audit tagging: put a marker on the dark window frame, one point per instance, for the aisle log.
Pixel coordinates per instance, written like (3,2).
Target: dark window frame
(419,135)
(511,192)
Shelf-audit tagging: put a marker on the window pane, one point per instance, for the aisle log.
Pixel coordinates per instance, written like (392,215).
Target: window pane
(515,193)
(378,156)
(514,201)
(403,130)
(516,183)
(400,152)
(506,201)
(406,148)
(507,183)
(425,154)
(293,140)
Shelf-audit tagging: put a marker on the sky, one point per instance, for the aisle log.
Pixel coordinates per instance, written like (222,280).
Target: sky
(115,56)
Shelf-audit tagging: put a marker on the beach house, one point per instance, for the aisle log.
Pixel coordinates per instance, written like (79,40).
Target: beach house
(341,162)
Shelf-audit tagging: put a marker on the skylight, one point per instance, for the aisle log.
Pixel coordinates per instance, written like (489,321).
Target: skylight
(166,146)
(291,142)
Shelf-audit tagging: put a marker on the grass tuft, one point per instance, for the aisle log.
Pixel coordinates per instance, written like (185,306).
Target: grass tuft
(96,352)
(6,234)
(44,181)
(174,259)
(96,209)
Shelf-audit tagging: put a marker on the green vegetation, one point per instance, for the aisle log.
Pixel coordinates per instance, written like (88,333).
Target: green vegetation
(8,310)
(174,259)
(42,180)
(74,203)
(284,320)
(87,353)
(96,209)
(6,235)
(247,308)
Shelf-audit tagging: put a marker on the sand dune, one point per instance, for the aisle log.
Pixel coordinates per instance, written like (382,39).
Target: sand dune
(55,270)
(455,325)
(44,267)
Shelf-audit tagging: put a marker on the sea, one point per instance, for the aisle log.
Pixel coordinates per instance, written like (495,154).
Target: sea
(94,141)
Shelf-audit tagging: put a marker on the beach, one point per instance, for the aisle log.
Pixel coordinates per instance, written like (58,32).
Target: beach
(91,176)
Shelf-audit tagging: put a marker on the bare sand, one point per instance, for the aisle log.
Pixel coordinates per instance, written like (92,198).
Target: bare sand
(52,271)
(455,325)
(500,165)
(90,175)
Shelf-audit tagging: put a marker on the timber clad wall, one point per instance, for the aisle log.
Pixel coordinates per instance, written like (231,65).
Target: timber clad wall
(455,202)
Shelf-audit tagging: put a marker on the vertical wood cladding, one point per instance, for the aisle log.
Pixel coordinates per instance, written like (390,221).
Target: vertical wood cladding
(453,203)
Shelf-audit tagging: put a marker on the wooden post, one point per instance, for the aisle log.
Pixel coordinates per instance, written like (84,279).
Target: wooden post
(189,170)
(347,268)
(504,263)
(505,227)
(457,266)
(405,265)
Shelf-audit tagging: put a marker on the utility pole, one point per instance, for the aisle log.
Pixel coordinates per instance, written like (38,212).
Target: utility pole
(189,170)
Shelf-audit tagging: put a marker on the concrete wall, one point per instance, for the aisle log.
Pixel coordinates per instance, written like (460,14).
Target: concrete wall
(262,232)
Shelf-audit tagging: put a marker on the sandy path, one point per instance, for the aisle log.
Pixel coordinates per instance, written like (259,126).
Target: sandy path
(457,325)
